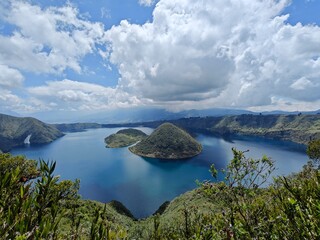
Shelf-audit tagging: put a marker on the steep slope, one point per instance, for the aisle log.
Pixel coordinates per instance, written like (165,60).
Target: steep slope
(295,128)
(299,128)
(168,142)
(14,130)
(124,138)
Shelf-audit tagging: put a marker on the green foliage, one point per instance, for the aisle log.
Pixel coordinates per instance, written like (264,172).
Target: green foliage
(28,168)
(289,207)
(101,228)
(38,209)
(31,210)
(240,195)
(298,199)
(313,150)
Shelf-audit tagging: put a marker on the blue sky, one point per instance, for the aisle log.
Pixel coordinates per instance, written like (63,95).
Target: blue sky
(91,56)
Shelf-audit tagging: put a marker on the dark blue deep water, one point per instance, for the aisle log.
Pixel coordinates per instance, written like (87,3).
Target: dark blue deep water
(141,184)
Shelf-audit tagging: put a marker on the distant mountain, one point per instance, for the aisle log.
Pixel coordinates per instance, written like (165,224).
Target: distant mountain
(214,112)
(124,138)
(167,142)
(15,130)
(291,113)
(298,128)
(76,127)
(132,115)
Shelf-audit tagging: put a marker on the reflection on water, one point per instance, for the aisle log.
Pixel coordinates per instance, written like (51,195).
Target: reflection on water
(143,184)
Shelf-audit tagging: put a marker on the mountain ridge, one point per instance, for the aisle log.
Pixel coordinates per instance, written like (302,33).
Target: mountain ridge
(14,130)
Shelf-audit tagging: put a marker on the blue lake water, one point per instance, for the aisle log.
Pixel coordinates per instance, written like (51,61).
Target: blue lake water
(141,184)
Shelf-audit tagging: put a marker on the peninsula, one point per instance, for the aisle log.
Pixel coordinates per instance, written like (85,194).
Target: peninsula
(124,138)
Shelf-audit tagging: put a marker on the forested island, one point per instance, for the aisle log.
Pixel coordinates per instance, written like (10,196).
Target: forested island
(167,142)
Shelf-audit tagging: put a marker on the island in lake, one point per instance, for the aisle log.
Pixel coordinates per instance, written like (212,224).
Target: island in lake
(168,142)
(124,138)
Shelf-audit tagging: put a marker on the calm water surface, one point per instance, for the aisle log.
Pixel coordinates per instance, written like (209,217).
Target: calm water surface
(144,184)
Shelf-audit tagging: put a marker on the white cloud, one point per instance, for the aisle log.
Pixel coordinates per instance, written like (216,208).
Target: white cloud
(146,3)
(74,95)
(46,40)
(217,53)
(194,54)
(9,77)
(302,84)
(10,101)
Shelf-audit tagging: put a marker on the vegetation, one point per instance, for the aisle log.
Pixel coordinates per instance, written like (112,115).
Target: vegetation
(124,138)
(14,130)
(313,151)
(34,204)
(298,128)
(168,142)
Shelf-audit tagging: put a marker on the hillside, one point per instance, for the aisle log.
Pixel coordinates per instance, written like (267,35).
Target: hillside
(167,142)
(76,127)
(297,128)
(14,130)
(124,138)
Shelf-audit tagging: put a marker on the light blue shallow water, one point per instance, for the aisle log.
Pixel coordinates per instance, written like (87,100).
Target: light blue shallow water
(141,184)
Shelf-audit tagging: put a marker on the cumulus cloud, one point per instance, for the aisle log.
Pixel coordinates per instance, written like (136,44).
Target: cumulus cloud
(9,101)
(217,53)
(74,95)
(193,54)
(46,40)
(9,77)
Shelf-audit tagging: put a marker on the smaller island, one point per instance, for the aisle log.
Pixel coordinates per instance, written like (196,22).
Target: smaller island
(168,142)
(124,138)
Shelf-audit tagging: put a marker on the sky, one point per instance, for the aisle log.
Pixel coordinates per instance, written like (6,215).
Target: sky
(93,56)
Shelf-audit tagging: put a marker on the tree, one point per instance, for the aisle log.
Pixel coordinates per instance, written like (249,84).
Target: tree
(242,200)
(31,209)
(313,150)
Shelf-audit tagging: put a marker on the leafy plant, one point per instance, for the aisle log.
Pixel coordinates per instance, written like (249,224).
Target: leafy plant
(313,150)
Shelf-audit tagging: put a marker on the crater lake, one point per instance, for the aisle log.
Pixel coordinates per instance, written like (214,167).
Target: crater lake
(143,184)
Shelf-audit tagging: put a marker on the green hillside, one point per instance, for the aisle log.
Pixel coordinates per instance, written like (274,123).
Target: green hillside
(168,142)
(295,128)
(14,130)
(124,138)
